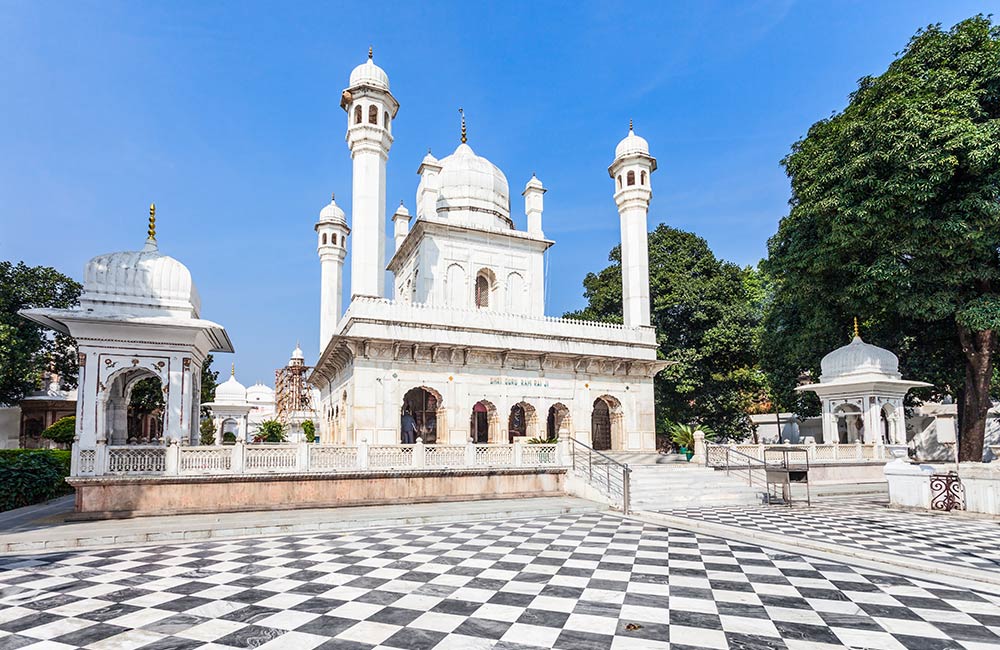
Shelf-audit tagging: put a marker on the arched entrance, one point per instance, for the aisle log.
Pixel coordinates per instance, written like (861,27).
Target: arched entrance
(557,420)
(420,416)
(606,424)
(133,408)
(850,424)
(521,421)
(485,424)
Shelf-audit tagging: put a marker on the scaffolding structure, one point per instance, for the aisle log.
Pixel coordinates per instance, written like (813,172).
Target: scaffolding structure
(292,396)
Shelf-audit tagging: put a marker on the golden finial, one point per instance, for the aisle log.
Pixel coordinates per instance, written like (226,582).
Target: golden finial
(462,113)
(232,372)
(370,52)
(856,334)
(151,232)
(630,125)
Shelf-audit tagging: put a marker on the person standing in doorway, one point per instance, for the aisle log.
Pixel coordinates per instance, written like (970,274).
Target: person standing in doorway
(408,428)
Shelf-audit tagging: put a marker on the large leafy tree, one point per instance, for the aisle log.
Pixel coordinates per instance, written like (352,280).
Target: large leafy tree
(27,349)
(895,217)
(705,324)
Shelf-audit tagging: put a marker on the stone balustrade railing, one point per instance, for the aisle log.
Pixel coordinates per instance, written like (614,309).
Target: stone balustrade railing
(249,459)
(817,453)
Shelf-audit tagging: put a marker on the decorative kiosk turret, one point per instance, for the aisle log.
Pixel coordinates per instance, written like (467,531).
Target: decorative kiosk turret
(370,110)
(331,240)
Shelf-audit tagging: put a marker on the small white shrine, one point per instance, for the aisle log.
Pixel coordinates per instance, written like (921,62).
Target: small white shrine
(138,317)
(862,394)
(230,410)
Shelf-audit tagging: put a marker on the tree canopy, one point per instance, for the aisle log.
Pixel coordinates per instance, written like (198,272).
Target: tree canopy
(705,319)
(895,218)
(26,349)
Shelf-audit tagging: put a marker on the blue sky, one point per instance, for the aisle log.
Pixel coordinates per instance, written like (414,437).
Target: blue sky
(227,116)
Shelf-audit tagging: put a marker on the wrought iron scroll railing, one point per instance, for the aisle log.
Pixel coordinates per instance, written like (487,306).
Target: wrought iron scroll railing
(603,473)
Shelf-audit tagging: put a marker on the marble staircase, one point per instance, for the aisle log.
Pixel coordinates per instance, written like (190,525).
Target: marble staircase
(665,486)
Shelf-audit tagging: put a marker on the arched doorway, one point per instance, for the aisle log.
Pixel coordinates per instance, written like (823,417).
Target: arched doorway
(521,421)
(600,425)
(557,420)
(850,424)
(420,415)
(133,409)
(485,425)
(606,424)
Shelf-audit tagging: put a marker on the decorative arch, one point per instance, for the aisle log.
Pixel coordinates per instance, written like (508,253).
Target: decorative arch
(373,114)
(455,286)
(522,421)
(559,419)
(515,293)
(630,177)
(485,288)
(385,120)
(484,424)
(607,423)
(357,114)
(642,177)
(425,406)
(114,400)
(850,423)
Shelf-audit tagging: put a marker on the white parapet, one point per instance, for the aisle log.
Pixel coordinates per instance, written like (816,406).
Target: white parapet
(981,482)
(909,485)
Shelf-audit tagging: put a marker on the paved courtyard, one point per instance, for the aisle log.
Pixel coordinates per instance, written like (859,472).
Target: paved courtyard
(940,538)
(573,582)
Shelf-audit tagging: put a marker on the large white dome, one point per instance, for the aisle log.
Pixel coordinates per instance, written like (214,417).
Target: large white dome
(369,74)
(857,359)
(473,191)
(631,144)
(144,282)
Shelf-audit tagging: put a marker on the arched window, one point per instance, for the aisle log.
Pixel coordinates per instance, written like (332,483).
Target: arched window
(515,294)
(385,119)
(324,239)
(630,178)
(373,114)
(642,178)
(482,291)
(357,114)
(619,181)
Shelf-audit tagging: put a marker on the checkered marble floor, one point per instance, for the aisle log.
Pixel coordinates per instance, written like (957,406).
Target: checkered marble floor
(949,539)
(574,582)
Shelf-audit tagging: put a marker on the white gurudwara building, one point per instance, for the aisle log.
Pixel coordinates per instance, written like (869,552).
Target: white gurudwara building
(460,345)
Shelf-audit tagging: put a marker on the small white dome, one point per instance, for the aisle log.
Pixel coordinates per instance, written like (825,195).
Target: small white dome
(369,74)
(858,358)
(472,190)
(429,159)
(230,392)
(331,213)
(631,144)
(297,353)
(145,283)
(401,210)
(260,393)
(534,184)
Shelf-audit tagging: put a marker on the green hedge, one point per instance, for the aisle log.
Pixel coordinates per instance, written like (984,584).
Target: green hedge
(30,476)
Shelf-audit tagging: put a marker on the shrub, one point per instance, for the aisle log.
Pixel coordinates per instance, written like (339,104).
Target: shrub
(30,476)
(62,430)
(207,432)
(310,430)
(270,431)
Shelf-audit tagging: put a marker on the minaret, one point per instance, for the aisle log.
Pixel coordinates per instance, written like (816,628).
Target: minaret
(370,110)
(630,171)
(331,240)
(533,203)
(400,225)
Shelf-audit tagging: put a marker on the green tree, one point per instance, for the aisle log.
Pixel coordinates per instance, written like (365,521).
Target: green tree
(270,431)
(207,432)
(209,380)
(62,430)
(27,349)
(310,430)
(895,217)
(705,324)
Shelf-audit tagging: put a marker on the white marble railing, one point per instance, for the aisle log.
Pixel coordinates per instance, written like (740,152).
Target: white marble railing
(849,453)
(243,459)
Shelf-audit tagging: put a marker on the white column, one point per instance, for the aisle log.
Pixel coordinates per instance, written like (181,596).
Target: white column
(368,214)
(87,400)
(635,265)
(331,295)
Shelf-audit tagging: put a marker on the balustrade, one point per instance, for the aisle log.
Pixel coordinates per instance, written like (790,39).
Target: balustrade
(826,453)
(243,459)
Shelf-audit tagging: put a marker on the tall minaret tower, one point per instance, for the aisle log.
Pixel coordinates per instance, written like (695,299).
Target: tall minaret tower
(631,171)
(370,110)
(331,242)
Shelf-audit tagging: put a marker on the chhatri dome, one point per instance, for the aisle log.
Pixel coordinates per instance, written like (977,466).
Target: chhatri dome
(231,391)
(859,360)
(472,190)
(331,213)
(631,144)
(140,283)
(369,74)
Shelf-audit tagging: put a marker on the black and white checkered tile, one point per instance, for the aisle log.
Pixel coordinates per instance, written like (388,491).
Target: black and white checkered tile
(933,537)
(574,582)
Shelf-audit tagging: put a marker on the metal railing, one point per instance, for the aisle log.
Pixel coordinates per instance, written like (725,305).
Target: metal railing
(602,472)
(755,470)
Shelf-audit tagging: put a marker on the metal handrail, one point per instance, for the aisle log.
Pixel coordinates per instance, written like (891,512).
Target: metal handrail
(623,467)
